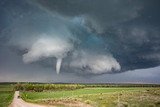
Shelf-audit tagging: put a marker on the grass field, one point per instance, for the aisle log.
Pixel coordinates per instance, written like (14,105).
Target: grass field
(72,93)
(6,95)
(137,98)
(95,96)
(99,97)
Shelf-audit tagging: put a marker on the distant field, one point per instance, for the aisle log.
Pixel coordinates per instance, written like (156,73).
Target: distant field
(6,94)
(71,93)
(78,95)
(99,97)
(137,98)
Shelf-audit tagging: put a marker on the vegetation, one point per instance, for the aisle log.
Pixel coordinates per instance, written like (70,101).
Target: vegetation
(46,87)
(122,85)
(99,97)
(95,95)
(59,87)
(6,87)
(139,98)
(29,96)
(6,94)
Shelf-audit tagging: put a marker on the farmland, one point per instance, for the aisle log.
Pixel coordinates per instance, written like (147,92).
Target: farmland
(6,94)
(99,97)
(80,95)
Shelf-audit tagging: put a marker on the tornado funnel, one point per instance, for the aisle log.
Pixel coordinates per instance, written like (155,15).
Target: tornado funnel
(58,65)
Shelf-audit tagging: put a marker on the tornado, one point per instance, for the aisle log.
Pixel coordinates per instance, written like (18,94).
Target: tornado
(48,48)
(58,65)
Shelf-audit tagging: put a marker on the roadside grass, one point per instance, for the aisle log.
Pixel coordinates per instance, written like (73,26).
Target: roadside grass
(5,98)
(6,95)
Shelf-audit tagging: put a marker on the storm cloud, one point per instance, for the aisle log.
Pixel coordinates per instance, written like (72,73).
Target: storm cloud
(82,36)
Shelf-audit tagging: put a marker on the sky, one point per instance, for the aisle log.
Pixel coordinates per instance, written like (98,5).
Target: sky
(80,41)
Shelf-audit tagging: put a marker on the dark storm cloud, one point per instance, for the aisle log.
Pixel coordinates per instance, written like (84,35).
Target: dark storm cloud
(97,14)
(137,46)
(90,36)
(129,29)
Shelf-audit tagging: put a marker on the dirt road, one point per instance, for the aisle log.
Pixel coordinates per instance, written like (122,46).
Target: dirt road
(18,102)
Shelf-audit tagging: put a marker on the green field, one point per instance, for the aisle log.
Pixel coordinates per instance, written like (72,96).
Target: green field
(99,97)
(74,95)
(6,94)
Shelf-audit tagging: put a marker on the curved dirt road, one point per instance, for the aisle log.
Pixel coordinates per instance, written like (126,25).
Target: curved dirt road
(18,102)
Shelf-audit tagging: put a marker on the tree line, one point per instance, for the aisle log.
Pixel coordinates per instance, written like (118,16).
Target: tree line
(46,87)
(58,87)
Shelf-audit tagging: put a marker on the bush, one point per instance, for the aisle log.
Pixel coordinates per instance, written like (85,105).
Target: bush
(19,87)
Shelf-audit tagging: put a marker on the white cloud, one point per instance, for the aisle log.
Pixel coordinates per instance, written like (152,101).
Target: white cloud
(48,47)
(96,64)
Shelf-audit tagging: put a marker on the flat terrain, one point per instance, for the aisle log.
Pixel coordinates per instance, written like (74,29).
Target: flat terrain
(6,95)
(98,97)
(73,95)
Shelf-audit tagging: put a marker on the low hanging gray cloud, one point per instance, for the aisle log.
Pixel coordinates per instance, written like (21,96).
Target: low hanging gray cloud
(95,64)
(97,37)
(48,47)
